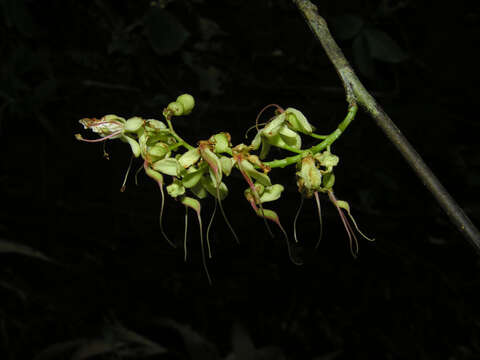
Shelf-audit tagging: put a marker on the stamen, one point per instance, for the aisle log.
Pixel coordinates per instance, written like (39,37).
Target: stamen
(122,189)
(185,235)
(204,260)
(320,222)
(208,229)
(253,127)
(80,138)
(296,218)
(225,216)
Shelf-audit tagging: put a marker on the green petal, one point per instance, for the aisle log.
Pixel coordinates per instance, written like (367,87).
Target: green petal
(291,138)
(298,122)
(257,175)
(274,126)
(193,178)
(257,140)
(271,193)
(191,203)
(189,158)
(169,166)
(133,145)
(212,189)
(134,124)
(227,164)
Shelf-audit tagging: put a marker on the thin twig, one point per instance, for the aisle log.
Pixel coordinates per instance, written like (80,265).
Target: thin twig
(356,93)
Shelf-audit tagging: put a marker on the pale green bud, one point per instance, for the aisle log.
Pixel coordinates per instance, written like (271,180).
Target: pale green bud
(188,103)
(221,142)
(158,151)
(176,108)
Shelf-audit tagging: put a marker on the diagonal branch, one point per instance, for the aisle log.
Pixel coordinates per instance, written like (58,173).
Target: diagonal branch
(356,93)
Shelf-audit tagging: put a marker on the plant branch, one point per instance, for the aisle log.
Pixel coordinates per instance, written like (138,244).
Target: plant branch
(356,93)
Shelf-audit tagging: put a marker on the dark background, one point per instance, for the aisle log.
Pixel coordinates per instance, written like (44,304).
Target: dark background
(110,277)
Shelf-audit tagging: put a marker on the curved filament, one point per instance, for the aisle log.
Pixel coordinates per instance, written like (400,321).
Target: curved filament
(185,235)
(279,108)
(352,238)
(295,259)
(122,189)
(296,218)
(140,168)
(320,222)
(160,185)
(253,127)
(208,230)
(204,260)
(225,216)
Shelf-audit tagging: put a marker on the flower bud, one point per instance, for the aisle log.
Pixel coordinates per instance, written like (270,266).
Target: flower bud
(158,151)
(176,108)
(309,178)
(188,103)
(221,142)
(175,189)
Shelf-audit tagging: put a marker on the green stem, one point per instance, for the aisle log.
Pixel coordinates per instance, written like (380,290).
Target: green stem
(177,137)
(317,136)
(330,139)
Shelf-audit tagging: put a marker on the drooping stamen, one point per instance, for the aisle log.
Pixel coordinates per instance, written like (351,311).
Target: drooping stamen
(136,174)
(105,153)
(279,108)
(160,185)
(296,218)
(185,235)
(204,260)
(352,238)
(276,220)
(122,189)
(225,216)
(162,204)
(80,138)
(208,230)
(320,222)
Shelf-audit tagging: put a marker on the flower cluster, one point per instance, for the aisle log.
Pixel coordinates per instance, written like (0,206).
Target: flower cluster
(198,172)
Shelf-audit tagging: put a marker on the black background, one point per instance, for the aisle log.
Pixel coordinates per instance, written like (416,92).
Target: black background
(414,293)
